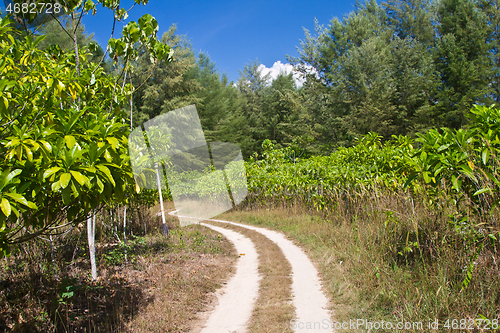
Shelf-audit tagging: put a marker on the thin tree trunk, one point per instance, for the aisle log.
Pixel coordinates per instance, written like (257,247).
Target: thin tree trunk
(165,229)
(91,241)
(131,106)
(124,231)
(53,257)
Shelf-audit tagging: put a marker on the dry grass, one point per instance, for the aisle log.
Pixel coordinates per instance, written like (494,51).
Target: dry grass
(181,284)
(161,287)
(385,259)
(273,309)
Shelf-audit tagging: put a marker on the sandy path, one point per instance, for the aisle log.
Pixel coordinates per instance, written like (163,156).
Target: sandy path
(236,303)
(308,298)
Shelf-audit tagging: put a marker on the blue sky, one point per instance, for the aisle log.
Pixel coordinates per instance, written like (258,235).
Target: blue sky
(232,33)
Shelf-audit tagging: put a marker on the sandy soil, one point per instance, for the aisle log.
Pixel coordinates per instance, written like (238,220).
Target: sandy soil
(238,297)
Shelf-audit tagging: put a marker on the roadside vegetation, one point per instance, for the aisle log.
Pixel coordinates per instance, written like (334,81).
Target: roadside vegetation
(401,233)
(384,164)
(153,283)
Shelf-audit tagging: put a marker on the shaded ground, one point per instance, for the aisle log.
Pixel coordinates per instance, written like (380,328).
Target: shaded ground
(160,287)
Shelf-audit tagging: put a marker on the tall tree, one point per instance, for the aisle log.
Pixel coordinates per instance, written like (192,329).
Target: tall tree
(168,85)
(463,60)
(491,8)
(413,19)
(279,112)
(219,102)
(253,86)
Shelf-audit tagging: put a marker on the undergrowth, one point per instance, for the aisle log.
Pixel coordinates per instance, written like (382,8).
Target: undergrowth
(390,257)
(41,293)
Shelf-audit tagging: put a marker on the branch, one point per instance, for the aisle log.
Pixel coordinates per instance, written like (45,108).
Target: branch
(106,52)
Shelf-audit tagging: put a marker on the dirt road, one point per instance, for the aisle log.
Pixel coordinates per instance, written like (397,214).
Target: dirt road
(236,300)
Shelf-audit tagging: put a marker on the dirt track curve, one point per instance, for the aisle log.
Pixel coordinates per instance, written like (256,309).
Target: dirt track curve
(237,298)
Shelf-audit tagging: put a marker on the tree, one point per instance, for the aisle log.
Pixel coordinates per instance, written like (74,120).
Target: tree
(62,155)
(219,102)
(413,19)
(167,86)
(463,60)
(253,86)
(279,112)
(491,9)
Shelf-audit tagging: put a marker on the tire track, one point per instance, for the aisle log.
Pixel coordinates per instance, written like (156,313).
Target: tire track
(310,302)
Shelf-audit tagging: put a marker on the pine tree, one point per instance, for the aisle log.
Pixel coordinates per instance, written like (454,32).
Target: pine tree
(463,60)
(167,86)
(491,8)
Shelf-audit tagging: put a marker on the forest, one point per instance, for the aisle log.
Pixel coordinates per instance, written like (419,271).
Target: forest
(391,144)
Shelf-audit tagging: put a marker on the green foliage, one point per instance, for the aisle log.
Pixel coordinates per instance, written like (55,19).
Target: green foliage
(166,86)
(282,175)
(399,68)
(63,143)
(455,170)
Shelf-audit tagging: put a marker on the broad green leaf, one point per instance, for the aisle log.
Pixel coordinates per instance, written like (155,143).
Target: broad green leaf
(51,171)
(56,186)
(29,153)
(81,179)
(64,179)
(4,105)
(46,145)
(17,197)
(107,156)
(426,176)
(66,195)
(113,142)
(5,206)
(70,141)
(106,171)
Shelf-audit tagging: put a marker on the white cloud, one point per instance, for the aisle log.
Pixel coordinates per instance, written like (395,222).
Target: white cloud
(279,67)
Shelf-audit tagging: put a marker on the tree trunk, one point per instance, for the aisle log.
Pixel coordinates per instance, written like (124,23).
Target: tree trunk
(124,231)
(52,256)
(91,241)
(165,229)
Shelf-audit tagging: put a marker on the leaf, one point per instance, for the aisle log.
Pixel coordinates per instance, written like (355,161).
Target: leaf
(485,156)
(81,179)
(5,206)
(70,141)
(107,156)
(423,156)
(7,176)
(46,145)
(467,171)
(51,171)
(484,190)
(17,197)
(113,142)
(29,154)
(106,171)
(4,105)
(66,195)
(64,179)
(427,179)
